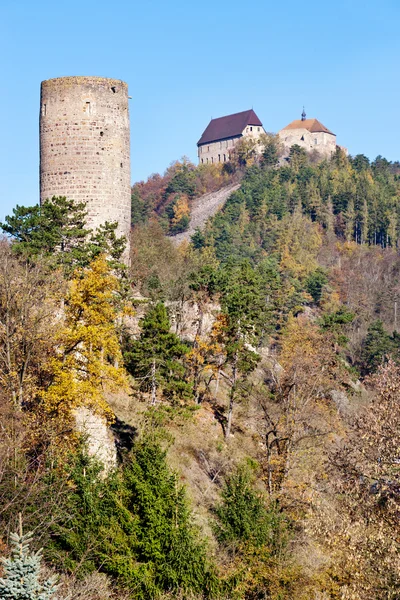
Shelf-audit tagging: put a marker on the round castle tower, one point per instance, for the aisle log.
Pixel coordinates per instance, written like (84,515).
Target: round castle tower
(84,146)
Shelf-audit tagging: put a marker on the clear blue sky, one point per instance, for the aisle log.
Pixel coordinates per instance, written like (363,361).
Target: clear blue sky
(188,61)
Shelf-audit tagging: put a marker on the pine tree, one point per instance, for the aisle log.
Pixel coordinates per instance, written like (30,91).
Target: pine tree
(246,316)
(57,230)
(349,220)
(21,579)
(155,358)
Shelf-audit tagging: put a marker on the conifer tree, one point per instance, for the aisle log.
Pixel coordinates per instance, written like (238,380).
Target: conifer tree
(154,359)
(349,219)
(22,579)
(57,230)
(245,317)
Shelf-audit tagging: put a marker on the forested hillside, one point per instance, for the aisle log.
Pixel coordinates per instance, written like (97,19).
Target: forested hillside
(251,379)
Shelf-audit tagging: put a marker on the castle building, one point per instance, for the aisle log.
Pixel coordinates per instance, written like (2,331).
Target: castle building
(222,134)
(310,134)
(85,147)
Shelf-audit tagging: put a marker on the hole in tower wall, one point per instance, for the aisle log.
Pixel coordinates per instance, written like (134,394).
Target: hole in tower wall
(121,165)
(101,133)
(113,89)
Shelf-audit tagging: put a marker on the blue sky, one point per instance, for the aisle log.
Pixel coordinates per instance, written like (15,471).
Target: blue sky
(186,62)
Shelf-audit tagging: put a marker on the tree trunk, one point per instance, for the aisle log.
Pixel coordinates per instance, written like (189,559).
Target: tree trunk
(153,383)
(197,370)
(232,397)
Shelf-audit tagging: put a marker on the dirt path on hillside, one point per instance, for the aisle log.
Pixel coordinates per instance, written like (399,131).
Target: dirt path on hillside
(204,207)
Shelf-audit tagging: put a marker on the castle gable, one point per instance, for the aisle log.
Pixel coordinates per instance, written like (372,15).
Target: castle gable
(229,126)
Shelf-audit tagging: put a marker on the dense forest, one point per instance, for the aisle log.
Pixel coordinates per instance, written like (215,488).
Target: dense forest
(250,379)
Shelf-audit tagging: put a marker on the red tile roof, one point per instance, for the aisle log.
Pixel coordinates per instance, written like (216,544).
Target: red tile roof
(312,125)
(229,126)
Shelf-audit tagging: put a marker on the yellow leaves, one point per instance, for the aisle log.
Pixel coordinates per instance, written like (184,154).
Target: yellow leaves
(92,293)
(181,209)
(300,338)
(89,352)
(330,301)
(299,242)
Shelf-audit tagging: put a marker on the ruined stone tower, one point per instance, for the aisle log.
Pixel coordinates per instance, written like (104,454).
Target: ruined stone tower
(84,146)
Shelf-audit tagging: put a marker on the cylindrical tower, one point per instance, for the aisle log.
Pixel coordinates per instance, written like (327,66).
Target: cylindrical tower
(84,146)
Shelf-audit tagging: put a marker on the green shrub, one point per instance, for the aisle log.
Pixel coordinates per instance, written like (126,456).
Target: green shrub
(135,525)
(244,516)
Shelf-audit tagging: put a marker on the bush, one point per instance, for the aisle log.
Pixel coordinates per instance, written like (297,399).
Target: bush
(244,516)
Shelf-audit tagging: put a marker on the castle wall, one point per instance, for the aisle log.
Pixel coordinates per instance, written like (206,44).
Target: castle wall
(324,143)
(85,146)
(218,152)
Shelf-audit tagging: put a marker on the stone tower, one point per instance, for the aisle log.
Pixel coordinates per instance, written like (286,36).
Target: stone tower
(84,146)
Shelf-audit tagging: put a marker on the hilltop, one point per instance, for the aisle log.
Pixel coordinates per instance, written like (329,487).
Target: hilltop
(250,375)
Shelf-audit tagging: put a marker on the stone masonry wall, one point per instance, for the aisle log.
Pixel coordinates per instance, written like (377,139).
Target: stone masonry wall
(219,152)
(216,152)
(85,146)
(324,143)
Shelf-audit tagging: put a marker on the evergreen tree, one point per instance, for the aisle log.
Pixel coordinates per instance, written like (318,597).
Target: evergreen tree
(245,317)
(364,223)
(315,283)
(136,526)
(243,515)
(270,149)
(378,346)
(22,579)
(57,231)
(155,359)
(392,228)
(297,157)
(350,220)
(56,225)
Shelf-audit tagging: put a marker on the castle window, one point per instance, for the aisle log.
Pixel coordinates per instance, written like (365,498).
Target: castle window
(121,165)
(224,157)
(44,110)
(113,89)
(87,108)
(258,129)
(219,158)
(208,148)
(101,133)
(315,141)
(302,138)
(212,159)
(202,161)
(251,129)
(220,144)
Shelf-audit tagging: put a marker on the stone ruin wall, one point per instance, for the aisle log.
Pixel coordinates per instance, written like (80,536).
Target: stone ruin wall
(85,146)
